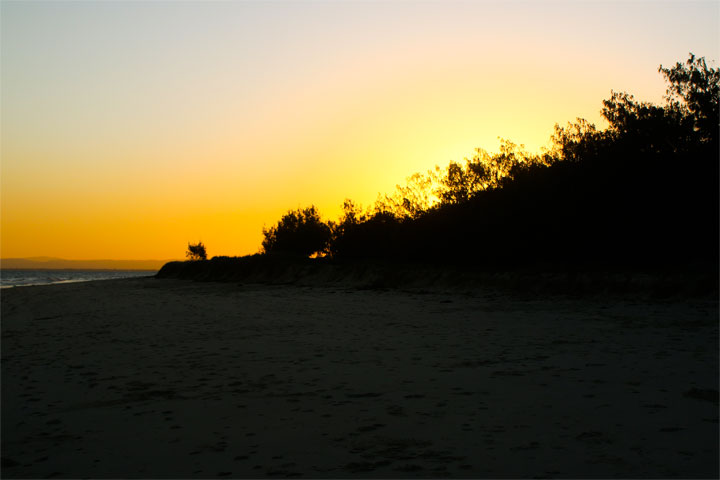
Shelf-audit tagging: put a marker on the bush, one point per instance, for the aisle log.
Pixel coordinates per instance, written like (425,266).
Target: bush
(196,251)
(299,232)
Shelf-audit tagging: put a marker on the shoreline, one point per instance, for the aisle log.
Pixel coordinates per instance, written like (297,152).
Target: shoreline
(148,378)
(63,282)
(46,277)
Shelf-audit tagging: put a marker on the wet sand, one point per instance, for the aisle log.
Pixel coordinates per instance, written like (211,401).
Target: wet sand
(148,378)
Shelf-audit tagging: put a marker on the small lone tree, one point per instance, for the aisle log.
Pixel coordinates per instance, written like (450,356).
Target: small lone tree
(196,251)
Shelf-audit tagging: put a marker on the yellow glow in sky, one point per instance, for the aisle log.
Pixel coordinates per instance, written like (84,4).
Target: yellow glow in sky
(132,128)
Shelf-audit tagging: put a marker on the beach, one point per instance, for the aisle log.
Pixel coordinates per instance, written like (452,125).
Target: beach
(166,378)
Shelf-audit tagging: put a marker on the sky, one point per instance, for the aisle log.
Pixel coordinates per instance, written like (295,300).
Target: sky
(131,128)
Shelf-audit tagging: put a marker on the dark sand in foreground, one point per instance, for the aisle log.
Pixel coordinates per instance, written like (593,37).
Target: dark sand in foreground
(168,378)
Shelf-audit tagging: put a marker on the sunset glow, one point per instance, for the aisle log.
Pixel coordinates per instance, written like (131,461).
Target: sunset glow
(132,128)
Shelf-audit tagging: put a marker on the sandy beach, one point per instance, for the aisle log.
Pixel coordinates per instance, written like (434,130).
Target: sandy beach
(150,378)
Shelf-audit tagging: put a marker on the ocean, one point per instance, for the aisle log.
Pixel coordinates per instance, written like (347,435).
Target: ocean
(20,278)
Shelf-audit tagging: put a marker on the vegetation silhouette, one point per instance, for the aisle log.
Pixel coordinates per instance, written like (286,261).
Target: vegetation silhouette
(299,232)
(641,194)
(196,251)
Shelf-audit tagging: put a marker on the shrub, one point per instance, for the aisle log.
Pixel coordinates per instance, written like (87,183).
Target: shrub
(196,251)
(299,232)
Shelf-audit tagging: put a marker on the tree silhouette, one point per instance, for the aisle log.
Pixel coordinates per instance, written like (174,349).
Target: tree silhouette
(577,141)
(641,192)
(695,88)
(299,232)
(196,251)
(412,199)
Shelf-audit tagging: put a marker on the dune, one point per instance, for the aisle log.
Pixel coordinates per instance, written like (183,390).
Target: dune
(161,378)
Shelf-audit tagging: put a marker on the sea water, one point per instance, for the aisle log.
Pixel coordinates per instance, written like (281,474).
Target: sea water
(19,278)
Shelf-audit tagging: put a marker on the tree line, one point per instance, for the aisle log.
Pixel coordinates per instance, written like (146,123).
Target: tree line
(642,192)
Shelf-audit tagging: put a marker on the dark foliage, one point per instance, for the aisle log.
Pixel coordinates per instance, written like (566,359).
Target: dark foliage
(196,251)
(694,90)
(642,193)
(600,208)
(299,232)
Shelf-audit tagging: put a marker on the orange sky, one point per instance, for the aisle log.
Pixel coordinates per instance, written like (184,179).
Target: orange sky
(132,128)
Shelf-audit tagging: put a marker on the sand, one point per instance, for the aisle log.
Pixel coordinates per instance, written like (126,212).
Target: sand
(171,378)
